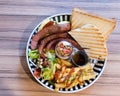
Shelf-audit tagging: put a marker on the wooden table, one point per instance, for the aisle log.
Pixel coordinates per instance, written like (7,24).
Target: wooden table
(19,17)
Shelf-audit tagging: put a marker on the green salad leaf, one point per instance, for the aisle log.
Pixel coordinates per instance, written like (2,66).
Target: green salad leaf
(50,54)
(34,54)
(48,72)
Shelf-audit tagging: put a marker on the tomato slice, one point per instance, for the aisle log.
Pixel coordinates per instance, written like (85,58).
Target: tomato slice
(66,51)
(57,74)
(61,45)
(37,73)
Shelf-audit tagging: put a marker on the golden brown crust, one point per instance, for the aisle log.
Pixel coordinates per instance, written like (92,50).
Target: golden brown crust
(110,31)
(93,40)
(81,17)
(93,15)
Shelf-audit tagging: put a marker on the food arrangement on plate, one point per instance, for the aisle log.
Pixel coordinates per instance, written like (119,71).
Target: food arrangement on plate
(67,53)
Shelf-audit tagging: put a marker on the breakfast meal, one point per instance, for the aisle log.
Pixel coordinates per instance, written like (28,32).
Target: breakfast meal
(62,51)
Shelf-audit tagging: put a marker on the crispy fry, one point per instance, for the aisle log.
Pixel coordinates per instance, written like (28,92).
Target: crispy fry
(70,77)
(63,62)
(66,63)
(59,85)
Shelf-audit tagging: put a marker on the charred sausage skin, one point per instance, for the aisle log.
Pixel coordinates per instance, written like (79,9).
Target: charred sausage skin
(48,30)
(49,38)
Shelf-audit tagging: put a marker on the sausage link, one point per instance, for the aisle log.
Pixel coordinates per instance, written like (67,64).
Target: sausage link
(57,28)
(49,45)
(49,38)
(50,23)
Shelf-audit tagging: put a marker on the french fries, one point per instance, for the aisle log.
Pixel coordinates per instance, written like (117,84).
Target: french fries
(64,62)
(70,77)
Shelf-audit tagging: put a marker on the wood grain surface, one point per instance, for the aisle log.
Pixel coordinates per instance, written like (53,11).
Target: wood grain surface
(17,20)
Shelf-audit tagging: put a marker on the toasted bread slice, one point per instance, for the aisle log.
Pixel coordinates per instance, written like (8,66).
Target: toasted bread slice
(80,18)
(93,40)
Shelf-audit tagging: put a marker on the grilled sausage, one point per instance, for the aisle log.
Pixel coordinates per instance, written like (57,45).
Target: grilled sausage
(50,23)
(49,38)
(49,45)
(34,43)
(57,28)
(74,43)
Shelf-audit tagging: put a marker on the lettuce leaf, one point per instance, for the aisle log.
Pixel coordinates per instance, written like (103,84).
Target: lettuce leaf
(48,72)
(34,54)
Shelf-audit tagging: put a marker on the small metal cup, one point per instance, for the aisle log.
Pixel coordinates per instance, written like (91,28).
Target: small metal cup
(66,43)
(79,58)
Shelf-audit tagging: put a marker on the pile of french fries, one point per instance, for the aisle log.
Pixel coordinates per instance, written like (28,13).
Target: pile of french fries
(68,76)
